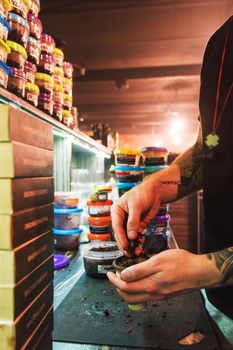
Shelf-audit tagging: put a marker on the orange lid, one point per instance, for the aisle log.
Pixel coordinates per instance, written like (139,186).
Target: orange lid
(99,237)
(71,200)
(108,202)
(98,219)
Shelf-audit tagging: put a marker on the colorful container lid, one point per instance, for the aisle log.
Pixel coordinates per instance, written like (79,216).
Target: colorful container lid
(16,47)
(161,218)
(68,97)
(57,87)
(66,113)
(154,168)
(46,97)
(44,77)
(128,168)
(47,38)
(58,70)
(57,106)
(34,19)
(60,261)
(76,231)
(58,52)
(5,46)
(47,58)
(30,66)
(125,185)
(7,5)
(67,65)
(18,19)
(99,219)
(5,68)
(32,87)
(103,188)
(108,202)
(33,41)
(67,211)
(129,151)
(99,236)
(4,23)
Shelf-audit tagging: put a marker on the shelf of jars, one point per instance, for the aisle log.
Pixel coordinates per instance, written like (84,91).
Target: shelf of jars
(60,129)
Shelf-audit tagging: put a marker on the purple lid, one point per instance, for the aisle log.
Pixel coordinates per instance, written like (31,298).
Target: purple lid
(47,97)
(30,65)
(47,37)
(47,58)
(60,261)
(154,149)
(161,218)
(35,19)
(18,72)
(57,105)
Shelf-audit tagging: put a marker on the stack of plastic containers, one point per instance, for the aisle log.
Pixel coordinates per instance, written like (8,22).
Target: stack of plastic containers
(128,173)
(67,219)
(155,159)
(99,220)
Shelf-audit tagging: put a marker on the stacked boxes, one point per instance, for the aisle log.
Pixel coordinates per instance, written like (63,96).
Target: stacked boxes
(127,170)
(26,243)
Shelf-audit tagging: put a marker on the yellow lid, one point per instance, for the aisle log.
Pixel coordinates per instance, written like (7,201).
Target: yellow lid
(127,151)
(32,87)
(16,47)
(66,113)
(7,5)
(5,46)
(58,52)
(58,70)
(44,77)
(58,88)
(67,81)
(68,97)
(28,3)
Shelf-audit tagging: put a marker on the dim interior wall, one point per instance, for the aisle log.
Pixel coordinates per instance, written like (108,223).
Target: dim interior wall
(184,222)
(62,163)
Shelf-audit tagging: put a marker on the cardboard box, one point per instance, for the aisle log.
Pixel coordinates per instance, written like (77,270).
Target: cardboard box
(16,298)
(14,334)
(20,194)
(23,226)
(41,339)
(20,160)
(18,263)
(16,125)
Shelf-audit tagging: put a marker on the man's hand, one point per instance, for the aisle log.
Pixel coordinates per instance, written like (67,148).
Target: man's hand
(165,275)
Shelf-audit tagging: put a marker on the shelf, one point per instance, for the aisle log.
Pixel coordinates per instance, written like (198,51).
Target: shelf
(61,129)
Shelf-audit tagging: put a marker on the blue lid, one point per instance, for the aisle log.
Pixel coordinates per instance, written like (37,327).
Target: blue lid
(154,168)
(67,211)
(123,185)
(60,261)
(76,231)
(128,168)
(16,18)
(4,22)
(5,68)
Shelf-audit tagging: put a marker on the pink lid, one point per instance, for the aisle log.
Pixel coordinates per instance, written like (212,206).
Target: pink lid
(57,105)
(35,19)
(30,66)
(47,58)
(18,73)
(47,38)
(47,97)
(67,64)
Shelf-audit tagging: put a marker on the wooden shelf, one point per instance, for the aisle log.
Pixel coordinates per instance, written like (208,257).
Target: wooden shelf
(11,99)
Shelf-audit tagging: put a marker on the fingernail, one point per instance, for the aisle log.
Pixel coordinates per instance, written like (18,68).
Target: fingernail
(132,235)
(125,274)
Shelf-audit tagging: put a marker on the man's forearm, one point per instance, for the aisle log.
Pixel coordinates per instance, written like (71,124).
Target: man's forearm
(223,260)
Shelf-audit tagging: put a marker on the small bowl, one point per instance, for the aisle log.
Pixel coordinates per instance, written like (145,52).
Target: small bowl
(122,263)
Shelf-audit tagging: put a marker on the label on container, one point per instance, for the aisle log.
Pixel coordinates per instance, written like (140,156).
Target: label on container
(30,77)
(48,107)
(48,86)
(48,67)
(34,51)
(104,268)
(32,97)
(100,209)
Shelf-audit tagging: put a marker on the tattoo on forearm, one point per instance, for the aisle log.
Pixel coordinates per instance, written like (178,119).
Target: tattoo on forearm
(224,263)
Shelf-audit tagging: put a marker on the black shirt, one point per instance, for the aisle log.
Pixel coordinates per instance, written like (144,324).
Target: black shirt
(218,174)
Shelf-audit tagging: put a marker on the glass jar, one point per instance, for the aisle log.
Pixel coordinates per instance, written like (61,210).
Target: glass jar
(21,7)
(44,82)
(68,69)
(46,64)
(4,28)
(35,26)
(5,7)
(4,51)
(67,85)
(45,103)
(67,118)
(18,55)
(16,82)
(58,56)
(57,111)
(47,43)
(35,7)
(32,93)
(19,29)
(30,72)
(58,93)
(67,102)
(58,75)
(4,74)
(33,50)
